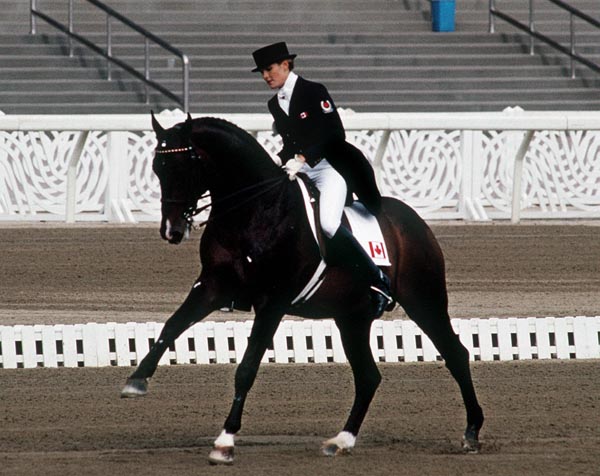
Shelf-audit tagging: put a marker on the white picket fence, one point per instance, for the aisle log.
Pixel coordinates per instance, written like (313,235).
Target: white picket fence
(112,344)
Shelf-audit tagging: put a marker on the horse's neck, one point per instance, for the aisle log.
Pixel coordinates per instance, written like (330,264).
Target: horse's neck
(258,207)
(237,183)
(240,171)
(243,195)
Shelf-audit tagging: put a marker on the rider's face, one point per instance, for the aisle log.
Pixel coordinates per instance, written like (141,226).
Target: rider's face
(276,74)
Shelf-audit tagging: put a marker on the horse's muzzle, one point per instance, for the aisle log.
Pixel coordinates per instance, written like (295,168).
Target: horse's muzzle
(174,233)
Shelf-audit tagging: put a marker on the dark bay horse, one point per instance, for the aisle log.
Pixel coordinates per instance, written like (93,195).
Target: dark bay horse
(257,250)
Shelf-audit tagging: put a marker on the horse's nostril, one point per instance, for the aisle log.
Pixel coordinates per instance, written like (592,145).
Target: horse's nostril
(175,237)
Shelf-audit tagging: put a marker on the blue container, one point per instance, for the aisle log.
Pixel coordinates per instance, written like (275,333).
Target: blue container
(442,15)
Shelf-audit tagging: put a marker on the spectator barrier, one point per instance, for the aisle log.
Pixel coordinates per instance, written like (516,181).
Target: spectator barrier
(465,166)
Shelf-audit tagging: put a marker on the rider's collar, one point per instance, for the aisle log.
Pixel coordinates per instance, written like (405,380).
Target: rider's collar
(288,86)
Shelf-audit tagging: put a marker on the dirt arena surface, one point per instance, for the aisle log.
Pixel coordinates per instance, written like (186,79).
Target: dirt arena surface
(75,274)
(543,417)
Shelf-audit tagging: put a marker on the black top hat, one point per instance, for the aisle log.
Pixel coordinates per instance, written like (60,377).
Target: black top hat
(270,54)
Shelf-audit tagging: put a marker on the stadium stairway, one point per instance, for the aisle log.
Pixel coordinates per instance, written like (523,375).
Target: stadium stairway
(376,56)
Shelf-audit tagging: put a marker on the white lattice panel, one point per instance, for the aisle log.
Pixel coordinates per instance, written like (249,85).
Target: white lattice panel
(464,172)
(561,173)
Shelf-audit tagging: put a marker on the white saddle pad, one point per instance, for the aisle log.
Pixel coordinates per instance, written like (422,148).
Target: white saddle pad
(364,226)
(367,231)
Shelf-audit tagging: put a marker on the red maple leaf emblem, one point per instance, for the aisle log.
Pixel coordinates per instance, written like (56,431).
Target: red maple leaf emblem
(377,249)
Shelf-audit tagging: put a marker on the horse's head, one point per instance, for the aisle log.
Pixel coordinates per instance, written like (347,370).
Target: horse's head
(177,167)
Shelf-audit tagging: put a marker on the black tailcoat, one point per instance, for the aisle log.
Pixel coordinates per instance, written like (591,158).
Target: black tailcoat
(314,129)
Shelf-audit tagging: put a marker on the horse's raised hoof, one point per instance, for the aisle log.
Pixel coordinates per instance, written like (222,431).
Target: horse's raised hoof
(470,440)
(341,445)
(135,387)
(221,455)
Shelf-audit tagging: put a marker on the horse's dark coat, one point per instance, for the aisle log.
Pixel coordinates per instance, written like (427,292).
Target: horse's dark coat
(257,250)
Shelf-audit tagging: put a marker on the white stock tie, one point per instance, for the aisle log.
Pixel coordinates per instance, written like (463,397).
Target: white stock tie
(284,101)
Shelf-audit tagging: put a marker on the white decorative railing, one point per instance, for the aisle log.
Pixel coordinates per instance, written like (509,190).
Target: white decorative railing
(99,345)
(470,166)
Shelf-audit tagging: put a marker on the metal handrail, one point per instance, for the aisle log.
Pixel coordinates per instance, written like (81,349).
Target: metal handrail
(183,100)
(530,29)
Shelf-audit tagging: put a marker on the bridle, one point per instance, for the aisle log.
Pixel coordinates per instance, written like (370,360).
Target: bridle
(177,151)
(192,210)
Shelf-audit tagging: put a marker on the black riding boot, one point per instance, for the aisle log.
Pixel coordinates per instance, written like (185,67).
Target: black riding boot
(345,251)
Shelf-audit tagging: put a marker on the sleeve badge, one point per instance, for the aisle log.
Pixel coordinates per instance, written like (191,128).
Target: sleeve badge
(326,106)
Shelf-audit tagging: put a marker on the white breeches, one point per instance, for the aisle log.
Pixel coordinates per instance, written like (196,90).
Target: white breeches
(333,190)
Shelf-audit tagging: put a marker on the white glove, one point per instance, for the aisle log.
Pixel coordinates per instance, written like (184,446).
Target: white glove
(292,167)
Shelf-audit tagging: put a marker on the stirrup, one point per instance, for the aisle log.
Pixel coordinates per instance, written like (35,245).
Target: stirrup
(387,285)
(385,295)
(383,302)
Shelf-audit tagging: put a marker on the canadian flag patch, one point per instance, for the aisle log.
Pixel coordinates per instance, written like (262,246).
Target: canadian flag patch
(377,249)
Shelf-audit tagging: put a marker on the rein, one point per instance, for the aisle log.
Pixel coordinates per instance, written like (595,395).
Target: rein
(272,182)
(192,210)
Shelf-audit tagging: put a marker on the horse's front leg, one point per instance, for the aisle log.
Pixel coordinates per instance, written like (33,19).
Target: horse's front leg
(205,296)
(355,332)
(263,330)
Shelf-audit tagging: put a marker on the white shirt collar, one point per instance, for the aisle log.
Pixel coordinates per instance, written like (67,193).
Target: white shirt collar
(288,86)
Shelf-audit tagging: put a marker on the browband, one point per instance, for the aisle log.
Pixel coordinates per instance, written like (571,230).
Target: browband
(172,151)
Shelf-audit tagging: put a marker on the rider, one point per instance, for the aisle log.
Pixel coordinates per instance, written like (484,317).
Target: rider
(314,142)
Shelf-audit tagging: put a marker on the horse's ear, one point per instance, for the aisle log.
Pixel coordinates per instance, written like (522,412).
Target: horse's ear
(158,129)
(187,126)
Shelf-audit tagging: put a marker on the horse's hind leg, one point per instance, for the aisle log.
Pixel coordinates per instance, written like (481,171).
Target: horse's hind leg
(201,301)
(434,321)
(355,332)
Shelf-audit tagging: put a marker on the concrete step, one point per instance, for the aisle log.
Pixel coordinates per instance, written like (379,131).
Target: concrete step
(250,41)
(66,85)
(83,97)
(106,107)
(493,45)
(322,73)
(324,49)
(383,98)
(394,83)
(308,61)
(378,55)
(231,108)
(245,86)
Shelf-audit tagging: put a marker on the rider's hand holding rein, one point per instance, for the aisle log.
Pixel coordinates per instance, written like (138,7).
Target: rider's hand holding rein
(293,166)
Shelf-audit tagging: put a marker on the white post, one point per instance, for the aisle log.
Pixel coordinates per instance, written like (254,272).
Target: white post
(72,176)
(518,176)
(378,160)
(469,205)
(115,204)
(465,199)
